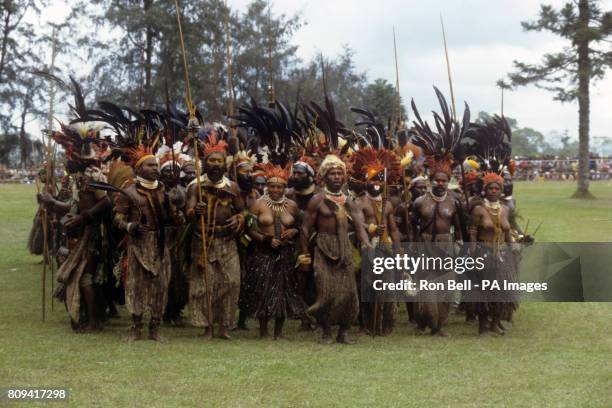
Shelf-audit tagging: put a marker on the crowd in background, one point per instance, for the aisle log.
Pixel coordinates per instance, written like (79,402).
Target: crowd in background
(556,168)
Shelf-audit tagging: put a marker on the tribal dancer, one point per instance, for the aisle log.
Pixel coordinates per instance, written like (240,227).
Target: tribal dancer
(83,218)
(244,179)
(302,181)
(415,185)
(303,188)
(380,168)
(491,218)
(249,195)
(271,273)
(491,226)
(222,210)
(437,212)
(178,289)
(334,272)
(144,211)
(36,237)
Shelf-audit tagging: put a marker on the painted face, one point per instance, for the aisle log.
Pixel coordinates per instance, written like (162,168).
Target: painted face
(493,192)
(260,184)
(439,183)
(93,173)
(188,173)
(334,179)
(299,178)
(418,189)
(276,190)
(376,185)
(168,176)
(166,172)
(149,169)
(215,166)
(244,169)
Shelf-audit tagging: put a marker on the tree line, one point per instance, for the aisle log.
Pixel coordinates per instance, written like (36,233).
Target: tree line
(128,52)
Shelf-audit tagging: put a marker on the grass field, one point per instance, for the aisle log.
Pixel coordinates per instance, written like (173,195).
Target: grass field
(555,354)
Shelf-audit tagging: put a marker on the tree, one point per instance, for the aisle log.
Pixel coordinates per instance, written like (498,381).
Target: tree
(344,84)
(569,73)
(17,53)
(146,59)
(529,142)
(20,91)
(264,54)
(381,98)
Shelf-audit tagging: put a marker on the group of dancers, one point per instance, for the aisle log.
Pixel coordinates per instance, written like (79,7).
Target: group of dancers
(266,217)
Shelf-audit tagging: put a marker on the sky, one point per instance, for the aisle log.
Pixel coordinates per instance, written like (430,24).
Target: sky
(484,37)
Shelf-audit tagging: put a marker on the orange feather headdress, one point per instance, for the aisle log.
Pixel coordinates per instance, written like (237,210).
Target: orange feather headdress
(491,177)
(214,145)
(137,155)
(272,173)
(370,162)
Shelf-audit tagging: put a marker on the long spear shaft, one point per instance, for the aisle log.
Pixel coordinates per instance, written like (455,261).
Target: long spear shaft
(454,110)
(397,85)
(228,51)
(230,85)
(448,69)
(188,99)
(192,117)
(49,176)
(272,94)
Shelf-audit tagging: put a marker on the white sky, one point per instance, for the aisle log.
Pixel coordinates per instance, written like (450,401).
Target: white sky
(484,37)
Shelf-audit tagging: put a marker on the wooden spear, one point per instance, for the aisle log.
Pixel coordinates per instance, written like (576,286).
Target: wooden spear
(398,101)
(272,94)
(193,126)
(230,85)
(48,177)
(448,69)
(454,111)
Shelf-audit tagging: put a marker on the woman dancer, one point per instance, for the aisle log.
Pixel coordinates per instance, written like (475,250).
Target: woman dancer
(271,274)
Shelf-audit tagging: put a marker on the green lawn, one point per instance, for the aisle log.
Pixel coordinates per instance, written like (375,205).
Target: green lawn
(554,355)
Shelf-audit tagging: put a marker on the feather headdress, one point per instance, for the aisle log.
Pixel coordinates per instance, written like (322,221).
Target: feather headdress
(491,143)
(370,162)
(442,148)
(273,173)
